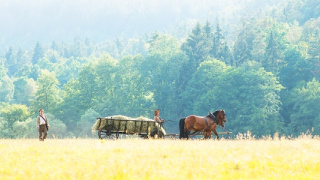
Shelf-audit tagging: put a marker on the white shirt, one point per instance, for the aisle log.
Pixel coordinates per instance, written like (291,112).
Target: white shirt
(42,121)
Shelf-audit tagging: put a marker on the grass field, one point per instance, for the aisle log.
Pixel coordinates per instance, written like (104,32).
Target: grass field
(136,158)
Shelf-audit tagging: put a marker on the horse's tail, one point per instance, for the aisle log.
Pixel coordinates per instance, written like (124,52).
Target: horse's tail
(181,127)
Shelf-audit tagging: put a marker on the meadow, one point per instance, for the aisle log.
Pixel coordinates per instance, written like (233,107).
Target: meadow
(137,158)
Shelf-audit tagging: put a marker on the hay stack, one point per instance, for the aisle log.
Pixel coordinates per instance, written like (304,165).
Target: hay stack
(133,125)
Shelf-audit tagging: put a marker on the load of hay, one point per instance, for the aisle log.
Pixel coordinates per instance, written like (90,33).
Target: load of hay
(118,123)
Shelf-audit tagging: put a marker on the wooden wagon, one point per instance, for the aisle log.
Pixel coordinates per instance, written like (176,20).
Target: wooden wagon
(112,127)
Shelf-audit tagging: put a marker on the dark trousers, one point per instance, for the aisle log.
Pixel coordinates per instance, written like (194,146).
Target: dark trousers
(42,129)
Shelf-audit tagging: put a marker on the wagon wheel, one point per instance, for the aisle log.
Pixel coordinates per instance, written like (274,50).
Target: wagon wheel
(105,134)
(159,134)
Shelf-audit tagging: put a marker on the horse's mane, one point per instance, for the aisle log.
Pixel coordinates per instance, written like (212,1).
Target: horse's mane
(216,113)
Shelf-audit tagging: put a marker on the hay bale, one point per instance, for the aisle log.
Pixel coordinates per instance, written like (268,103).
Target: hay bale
(118,124)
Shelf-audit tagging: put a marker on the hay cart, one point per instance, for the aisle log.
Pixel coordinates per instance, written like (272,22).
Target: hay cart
(112,127)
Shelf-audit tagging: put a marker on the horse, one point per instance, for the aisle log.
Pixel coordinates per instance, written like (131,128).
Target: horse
(202,124)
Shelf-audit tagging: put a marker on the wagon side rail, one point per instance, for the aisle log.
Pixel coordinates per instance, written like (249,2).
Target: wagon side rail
(120,126)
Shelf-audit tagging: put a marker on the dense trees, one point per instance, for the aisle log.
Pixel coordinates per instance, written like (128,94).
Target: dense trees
(265,75)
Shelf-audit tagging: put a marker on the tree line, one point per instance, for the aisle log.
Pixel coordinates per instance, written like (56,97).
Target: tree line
(266,79)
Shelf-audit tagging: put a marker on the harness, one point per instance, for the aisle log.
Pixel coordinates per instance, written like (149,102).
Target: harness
(208,125)
(214,121)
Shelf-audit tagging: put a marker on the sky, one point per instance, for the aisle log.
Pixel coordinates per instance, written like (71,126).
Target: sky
(24,22)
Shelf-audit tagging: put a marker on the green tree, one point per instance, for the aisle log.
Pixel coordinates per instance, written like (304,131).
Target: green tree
(276,45)
(306,110)
(48,93)
(30,71)
(197,50)
(196,47)
(69,109)
(249,94)
(25,129)
(79,48)
(163,65)
(6,86)
(24,90)
(314,54)
(244,44)
(218,42)
(296,68)
(22,58)
(69,69)
(12,63)
(38,53)
(12,113)
(87,85)
(132,88)
(57,128)
(86,122)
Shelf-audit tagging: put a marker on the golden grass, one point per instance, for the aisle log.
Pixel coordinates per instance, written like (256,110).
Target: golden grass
(160,159)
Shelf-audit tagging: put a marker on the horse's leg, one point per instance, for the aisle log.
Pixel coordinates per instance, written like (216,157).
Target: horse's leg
(187,133)
(205,134)
(215,132)
(182,128)
(188,128)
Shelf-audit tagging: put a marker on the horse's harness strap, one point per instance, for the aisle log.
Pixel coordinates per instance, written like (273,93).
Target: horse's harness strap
(208,126)
(205,118)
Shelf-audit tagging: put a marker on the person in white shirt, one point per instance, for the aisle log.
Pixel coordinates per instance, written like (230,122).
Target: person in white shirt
(42,125)
(157,116)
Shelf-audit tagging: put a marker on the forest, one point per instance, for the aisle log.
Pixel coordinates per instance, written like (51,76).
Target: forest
(265,73)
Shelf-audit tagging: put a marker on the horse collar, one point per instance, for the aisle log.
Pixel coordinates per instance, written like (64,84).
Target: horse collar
(214,121)
(213,117)
(205,118)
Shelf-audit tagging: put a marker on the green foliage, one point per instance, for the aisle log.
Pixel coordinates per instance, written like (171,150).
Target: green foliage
(244,44)
(86,122)
(57,128)
(38,53)
(276,44)
(249,96)
(306,111)
(6,88)
(296,68)
(163,66)
(24,90)
(25,129)
(48,93)
(10,114)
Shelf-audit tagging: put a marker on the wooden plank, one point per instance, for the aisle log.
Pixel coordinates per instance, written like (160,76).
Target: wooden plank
(140,127)
(125,127)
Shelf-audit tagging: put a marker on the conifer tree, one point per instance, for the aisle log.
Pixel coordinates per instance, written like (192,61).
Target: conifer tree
(38,53)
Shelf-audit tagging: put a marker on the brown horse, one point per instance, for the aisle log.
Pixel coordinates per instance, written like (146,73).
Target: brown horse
(202,124)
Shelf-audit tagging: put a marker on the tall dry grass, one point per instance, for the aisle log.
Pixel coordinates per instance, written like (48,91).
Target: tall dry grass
(270,158)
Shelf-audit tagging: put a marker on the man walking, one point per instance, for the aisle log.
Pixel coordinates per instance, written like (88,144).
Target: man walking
(42,125)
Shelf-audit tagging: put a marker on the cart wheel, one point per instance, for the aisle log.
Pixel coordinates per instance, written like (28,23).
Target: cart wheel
(159,134)
(104,134)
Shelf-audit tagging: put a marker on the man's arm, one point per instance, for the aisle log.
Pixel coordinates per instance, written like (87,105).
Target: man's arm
(47,121)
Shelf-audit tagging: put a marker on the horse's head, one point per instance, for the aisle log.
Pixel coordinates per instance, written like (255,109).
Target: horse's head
(221,117)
